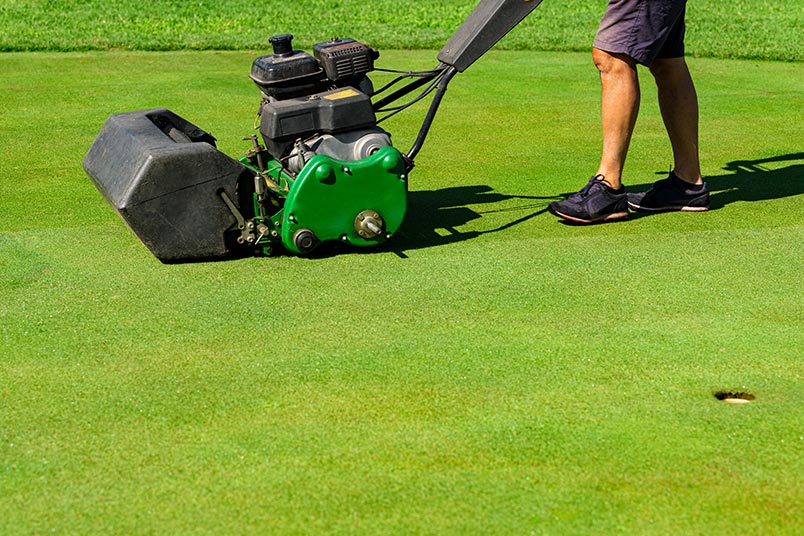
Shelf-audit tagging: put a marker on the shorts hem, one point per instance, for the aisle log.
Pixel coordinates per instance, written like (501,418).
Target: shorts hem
(613,48)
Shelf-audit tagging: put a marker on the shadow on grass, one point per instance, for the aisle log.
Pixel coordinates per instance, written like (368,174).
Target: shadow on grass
(434,216)
(752,180)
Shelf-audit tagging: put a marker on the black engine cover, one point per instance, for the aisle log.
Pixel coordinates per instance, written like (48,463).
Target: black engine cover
(330,112)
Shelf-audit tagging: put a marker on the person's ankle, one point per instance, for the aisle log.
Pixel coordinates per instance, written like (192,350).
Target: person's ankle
(692,180)
(615,185)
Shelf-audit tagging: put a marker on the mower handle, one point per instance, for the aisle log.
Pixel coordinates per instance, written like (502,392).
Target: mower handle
(449,73)
(489,22)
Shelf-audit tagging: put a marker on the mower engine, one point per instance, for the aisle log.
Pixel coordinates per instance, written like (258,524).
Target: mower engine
(318,105)
(326,170)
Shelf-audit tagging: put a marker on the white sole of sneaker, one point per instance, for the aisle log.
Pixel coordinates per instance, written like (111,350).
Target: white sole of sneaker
(610,217)
(668,209)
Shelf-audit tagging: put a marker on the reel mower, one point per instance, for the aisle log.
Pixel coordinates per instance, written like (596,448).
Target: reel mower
(321,169)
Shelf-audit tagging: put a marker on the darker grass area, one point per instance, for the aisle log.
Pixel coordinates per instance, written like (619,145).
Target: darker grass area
(768,29)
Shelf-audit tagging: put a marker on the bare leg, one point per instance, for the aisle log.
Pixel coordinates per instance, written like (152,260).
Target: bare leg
(620,106)
(678,102)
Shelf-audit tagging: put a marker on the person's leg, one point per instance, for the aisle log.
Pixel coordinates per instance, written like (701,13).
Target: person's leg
(619,109)
(678,102)
(603,198)
(684,189)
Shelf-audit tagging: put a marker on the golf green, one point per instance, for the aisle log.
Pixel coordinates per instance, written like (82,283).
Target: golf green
(490,370)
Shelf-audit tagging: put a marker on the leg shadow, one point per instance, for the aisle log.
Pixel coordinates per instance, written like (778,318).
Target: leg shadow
(758,180)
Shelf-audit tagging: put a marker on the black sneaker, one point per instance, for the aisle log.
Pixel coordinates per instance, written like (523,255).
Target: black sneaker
(596,202)
(669,194)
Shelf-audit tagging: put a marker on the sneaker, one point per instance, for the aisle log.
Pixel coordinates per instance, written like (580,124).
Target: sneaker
(669,194)
(596,202)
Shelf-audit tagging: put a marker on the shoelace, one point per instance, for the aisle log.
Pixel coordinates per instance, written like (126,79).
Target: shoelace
(596,180)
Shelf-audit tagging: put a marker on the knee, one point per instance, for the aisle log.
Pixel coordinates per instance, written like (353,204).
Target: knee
(614,64)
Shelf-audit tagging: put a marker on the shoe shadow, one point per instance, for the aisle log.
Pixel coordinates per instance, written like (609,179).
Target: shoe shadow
(752,180)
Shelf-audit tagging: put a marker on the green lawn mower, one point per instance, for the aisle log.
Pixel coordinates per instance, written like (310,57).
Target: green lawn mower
(322,171)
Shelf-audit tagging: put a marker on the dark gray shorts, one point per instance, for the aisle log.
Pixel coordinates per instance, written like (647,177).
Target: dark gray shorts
(643,29)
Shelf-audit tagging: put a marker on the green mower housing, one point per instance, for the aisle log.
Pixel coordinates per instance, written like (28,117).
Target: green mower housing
(360,203)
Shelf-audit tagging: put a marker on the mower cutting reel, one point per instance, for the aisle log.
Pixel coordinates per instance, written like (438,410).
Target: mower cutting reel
(324,172)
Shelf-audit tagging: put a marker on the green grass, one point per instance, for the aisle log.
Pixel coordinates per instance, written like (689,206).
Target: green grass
(765,29)
(490,371)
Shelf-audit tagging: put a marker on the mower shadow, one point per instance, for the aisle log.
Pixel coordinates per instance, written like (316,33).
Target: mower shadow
(434,216)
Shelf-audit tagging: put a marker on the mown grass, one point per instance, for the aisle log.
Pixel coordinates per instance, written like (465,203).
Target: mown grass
(766,29)
(490,371)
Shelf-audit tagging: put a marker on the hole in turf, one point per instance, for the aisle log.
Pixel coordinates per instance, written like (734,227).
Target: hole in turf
(734,397)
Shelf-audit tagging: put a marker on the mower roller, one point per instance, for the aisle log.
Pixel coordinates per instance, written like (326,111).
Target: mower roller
(321,170)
